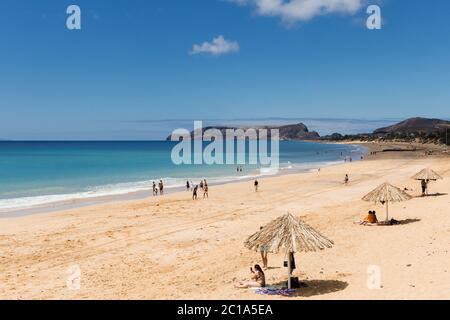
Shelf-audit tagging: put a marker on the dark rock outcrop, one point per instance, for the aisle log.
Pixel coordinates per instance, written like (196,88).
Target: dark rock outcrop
(287,132)
(414,126)
(414,129)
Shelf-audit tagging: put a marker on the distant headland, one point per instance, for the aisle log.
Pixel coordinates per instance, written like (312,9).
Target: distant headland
(422,130)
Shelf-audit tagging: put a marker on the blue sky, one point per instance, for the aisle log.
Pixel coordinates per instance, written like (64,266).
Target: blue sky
(134,61)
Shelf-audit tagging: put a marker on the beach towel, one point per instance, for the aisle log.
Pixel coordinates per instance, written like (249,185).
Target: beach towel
(275,291)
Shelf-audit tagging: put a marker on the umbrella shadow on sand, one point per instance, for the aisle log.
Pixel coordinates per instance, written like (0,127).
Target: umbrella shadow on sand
(438,194)
(398,223)
(311,288)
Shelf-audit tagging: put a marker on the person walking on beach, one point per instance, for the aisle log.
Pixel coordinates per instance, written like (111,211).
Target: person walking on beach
(205,191)
(161,187)
(154,189)
(346,179)
(256,185)
(188,187)
(194,193)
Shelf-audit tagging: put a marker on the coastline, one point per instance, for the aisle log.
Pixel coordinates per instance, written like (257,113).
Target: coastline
(172,247)
(74,201)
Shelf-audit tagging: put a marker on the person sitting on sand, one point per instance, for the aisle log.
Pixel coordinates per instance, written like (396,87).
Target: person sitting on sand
(370,219)
(258,279)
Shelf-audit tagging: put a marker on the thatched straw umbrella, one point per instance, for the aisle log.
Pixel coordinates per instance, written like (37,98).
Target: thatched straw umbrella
(387,193)
(290,234)
(427,175)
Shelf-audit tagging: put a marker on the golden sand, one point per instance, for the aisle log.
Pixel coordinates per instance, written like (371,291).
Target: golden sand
(174,248)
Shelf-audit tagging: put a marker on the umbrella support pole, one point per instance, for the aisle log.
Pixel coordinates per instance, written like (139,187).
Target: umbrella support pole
(289,271)
(387,211)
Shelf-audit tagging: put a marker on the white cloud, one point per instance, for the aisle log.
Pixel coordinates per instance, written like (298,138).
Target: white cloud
(218,46)
(292,11)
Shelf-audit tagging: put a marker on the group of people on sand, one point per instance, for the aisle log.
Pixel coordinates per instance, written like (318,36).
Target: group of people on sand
(370,219)
(257,275)
(203,185)
(159,188)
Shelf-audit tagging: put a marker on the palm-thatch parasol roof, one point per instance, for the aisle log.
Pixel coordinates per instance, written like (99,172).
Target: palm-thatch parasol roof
(386,193)
(288,233)
(426,174)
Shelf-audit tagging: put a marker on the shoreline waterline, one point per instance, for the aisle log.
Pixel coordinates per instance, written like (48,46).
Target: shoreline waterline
(128,191)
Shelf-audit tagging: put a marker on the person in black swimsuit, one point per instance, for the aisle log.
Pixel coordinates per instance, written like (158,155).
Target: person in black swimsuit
(194,193)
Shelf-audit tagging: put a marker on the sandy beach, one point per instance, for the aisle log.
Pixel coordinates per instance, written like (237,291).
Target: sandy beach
(172,247)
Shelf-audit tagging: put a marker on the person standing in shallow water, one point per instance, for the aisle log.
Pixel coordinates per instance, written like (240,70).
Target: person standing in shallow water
(154,189)
(161,187)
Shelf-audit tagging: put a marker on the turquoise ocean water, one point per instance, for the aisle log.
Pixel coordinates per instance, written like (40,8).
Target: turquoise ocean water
(43,173)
